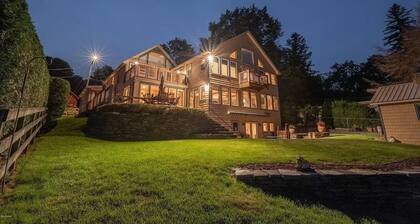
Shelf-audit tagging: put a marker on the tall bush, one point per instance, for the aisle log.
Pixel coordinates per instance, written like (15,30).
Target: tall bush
(19,43)
(353,115)
(57,100)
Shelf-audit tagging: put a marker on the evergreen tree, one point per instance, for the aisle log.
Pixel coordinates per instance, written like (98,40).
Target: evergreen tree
(58,67)
(179,49)
(102,73)
(398,21)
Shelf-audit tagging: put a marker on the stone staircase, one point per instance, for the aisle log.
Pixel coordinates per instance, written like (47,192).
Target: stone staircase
(218,129)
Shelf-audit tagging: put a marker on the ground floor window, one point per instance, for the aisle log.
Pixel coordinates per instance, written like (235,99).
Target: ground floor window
(268,127)
(245,99)
(196,98)
(225,96)
(234,97)
(215,96)
(180,94)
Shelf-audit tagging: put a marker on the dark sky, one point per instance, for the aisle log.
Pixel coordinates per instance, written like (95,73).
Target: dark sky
(335,30)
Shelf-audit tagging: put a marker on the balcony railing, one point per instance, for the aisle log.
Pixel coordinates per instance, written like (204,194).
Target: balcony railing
(252,80)
(155,73)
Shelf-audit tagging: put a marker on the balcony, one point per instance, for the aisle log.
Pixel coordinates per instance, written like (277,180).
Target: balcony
(252,80)
(155,73)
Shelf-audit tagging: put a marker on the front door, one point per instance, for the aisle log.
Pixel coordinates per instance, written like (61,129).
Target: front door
(251,129)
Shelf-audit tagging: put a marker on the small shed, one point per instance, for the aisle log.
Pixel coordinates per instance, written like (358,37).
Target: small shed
(399,108)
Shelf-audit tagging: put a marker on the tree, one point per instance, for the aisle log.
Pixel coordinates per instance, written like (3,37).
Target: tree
(398,21)
(298,84)
(266,29)
(101,73)
(59,67)
(57,100)
(179,49)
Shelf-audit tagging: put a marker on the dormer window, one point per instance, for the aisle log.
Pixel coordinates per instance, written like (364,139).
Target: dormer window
(247,56)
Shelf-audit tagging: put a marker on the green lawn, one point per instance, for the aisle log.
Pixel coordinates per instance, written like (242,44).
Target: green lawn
(68,177)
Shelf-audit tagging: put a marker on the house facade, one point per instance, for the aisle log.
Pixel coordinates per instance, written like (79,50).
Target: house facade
(399,108)
(235,84)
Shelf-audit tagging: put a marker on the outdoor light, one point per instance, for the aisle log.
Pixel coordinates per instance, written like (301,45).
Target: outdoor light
(210,58)
(136,62)
(94,57)
(206,87)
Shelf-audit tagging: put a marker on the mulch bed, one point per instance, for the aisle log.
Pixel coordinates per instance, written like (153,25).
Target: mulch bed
(399,165)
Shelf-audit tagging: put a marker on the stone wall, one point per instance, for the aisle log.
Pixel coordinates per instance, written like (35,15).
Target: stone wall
(130,122)
(388,198)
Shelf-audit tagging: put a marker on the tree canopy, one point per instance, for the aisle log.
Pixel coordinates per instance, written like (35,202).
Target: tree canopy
(101,73)
(179,49)
(398,21)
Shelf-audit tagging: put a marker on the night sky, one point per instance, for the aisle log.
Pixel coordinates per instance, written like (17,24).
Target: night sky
(335,30)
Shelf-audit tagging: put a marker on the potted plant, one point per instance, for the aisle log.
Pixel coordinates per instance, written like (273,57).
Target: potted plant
(321,126)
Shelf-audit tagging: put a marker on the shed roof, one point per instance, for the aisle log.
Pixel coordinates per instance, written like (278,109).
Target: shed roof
(398,93)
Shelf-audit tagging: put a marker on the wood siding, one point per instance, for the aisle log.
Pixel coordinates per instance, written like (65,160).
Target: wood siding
(401,122)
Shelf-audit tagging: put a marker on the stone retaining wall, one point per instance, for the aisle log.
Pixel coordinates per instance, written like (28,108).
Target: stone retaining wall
(392,197)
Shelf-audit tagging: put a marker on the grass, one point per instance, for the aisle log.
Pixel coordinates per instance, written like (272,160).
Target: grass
(72,178)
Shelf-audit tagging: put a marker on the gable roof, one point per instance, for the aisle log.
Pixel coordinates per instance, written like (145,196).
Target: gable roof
(398,93)
(158,46)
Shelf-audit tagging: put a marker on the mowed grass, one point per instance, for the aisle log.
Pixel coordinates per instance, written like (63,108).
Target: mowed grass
(68,177)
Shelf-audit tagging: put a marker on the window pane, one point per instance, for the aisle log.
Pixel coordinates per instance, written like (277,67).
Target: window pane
(144,90)
(215,98)
(247,56)
(225,96)
(191,99)
(180,96)
(233,70)
(269,102)
(154,90)
(234,97)
(265,127)
(263,102)
(275,103)
(245,99)
(254,100)
(215,66)
(224,67)
(196,98)
(272,127)
(273,79)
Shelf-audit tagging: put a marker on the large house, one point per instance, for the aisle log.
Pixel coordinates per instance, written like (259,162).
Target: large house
(235,84)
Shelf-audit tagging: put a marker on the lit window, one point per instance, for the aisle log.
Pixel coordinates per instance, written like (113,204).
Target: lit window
(234,55)
(144,90)
(266,127)
(418,111)
(202,92)
(196,98)
(234,97)
(233,69)
(254,100)
(269,102)
(247,56)
(272,127)
(214,66)
(245,99)
(215,96)
(263,102)
(225,96)
(224,67)
(273,79)
(275,103)
(180,96)
(260,64)
(154,90)
(171,92)
(191,99)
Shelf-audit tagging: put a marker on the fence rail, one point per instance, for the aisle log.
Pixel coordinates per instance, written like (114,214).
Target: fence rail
(14,143)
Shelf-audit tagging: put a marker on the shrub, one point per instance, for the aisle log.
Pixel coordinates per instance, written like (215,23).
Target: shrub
(19,43)
(353,115)
(146,122)
(57,100)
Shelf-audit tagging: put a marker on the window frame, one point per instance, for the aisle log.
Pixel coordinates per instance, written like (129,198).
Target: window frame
(236,69)
(222,90)
(217,90)
(227,67)
(236,91)
(251,100)
(218,66)
(243,99)
(263,106)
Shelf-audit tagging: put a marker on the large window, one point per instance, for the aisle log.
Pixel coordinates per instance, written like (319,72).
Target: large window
(180,95)
(144,90)
(233,70)
(214,66)
(234,97)
(254,100)
(275,103)
(263,101)
(215,96)
(269,102)
(154,90)
(225,96)
(245,99)
(268,127)
(247,56)
(224,67)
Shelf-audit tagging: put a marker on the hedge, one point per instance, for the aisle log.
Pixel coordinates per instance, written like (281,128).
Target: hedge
(57,100)
(19,43)
(353,115)
(124,122)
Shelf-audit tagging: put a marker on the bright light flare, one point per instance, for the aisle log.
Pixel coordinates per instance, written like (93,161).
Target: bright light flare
(206,87)
(95,57)
(210,58)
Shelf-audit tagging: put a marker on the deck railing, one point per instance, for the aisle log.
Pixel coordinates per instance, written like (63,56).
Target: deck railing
(14,142)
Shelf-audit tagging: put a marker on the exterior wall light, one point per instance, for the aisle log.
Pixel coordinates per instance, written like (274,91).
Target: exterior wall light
(207,87)
(210,58)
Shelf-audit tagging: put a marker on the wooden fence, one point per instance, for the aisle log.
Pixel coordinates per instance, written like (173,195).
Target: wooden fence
(12,145)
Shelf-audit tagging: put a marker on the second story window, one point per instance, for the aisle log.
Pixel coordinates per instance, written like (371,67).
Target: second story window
(247,56)
(233,70)
(263,101)
(269,102)
(214,66)
(245,99)
(254,100)
(224,67)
